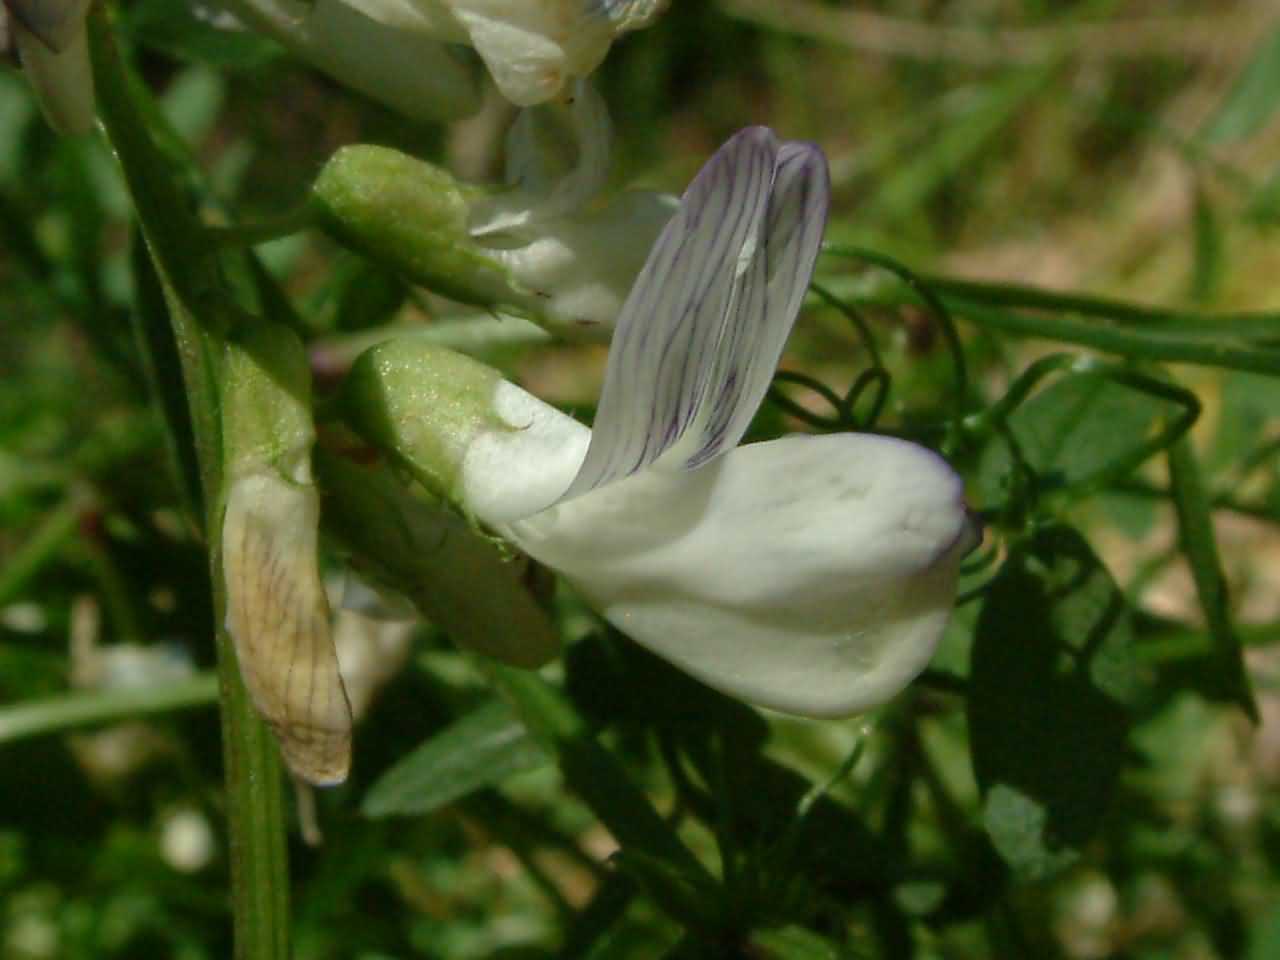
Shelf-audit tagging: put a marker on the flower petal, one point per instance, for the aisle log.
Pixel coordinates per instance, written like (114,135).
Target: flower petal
(278,618)
(541,192)
(812,575)
(699,336)
(670,329)
(534,47)
(413,15)
(581,267)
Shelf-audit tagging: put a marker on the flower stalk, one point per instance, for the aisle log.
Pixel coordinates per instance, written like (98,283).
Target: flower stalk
(185,269)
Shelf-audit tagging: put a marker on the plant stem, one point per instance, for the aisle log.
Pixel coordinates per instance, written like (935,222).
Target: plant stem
(262,231)
(1260,324)
(1128,342)
(186,268)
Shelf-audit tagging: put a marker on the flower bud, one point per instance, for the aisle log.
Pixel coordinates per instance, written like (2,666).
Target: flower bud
(277,612)
(414,217)
(553,246)
(389,382)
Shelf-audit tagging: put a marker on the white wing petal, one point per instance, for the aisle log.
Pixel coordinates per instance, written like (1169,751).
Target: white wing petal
(812,575)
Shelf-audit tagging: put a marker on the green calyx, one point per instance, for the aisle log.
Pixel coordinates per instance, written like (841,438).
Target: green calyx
(457,578)
(424,405)
(412,216)
(266,404)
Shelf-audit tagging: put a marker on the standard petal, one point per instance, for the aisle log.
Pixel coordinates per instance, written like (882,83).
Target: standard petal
(363,46)
(700,335)
(811,575)
(702,276)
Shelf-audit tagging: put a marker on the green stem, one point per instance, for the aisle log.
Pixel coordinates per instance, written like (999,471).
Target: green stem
(1156,347)
(188,272)
(73,710)
(1199,545)
(263,231)
(1185,322)
(1201,339)
(924,292)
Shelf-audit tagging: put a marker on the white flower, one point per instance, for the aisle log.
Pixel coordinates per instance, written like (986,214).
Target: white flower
(575,252)
(553,246)
(812,575)
(533,48)
(53,46)
(408,71)
(277,611)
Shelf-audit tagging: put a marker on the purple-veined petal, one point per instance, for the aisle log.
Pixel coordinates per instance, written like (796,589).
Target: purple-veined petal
(669,331)
(797,219)
(700,335)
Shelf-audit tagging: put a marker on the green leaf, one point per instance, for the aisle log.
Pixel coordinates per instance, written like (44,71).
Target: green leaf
(603,785)
(482,749)
(1195,528)
(163,369)
(1072,430)
(1050,689)
(1253,98)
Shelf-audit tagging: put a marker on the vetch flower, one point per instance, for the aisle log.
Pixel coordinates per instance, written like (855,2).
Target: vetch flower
(533,48)
(408,71)
(553,246)
(53,47)
(277,611)
(809,574)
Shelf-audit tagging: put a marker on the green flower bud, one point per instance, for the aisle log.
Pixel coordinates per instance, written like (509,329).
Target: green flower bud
(390,384)
(266,404)
(414,217)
